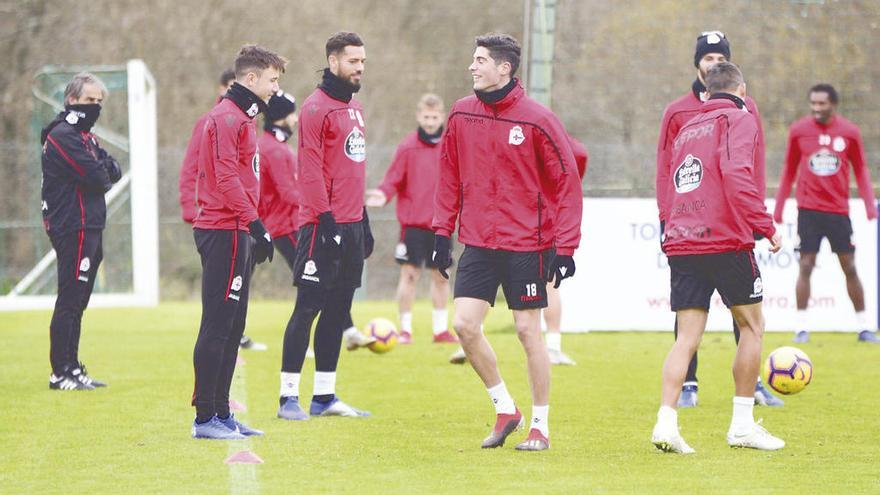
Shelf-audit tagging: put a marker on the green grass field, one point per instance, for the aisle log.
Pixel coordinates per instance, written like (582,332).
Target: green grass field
(429,417)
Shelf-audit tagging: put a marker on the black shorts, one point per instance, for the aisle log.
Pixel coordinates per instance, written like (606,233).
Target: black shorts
(814,225)
(312,267)
(416,247)
(522,276)
(735,275)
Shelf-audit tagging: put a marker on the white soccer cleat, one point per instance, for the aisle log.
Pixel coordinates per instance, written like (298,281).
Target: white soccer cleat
(458,357)
(559,357)
(669,440)
(354,340)
(755,437)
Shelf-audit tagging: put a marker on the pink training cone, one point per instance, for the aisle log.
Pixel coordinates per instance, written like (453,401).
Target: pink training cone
(236,406)
(244,457)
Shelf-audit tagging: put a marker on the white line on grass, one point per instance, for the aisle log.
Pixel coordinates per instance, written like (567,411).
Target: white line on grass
(242,477)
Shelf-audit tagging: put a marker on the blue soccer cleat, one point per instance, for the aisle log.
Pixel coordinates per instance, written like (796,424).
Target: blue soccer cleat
(802,337)
(234,424)
(763,397)
(214,429)
(869,336)
(336,408)
(688,397)
(290,410)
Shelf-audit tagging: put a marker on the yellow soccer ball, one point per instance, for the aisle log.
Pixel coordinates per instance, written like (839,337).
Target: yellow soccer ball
(384,332)
(788,370)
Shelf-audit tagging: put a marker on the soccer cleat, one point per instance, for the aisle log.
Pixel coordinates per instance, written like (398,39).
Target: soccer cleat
(234,424)
(84,376)
(214,429)
(560,358)
(505,424)
(688,397)
(802,337)
(291,410)
(445,337)
(755,437)
(405,338)
(251,345)
(354,340)
(535,441)
(869,336)
(763,397)
(670,440)
(67,382)
(458,357)
(336,408)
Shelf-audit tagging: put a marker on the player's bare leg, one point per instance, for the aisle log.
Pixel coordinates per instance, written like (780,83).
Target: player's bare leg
(406,294)
(744,431)
(440,315)
(802,293)
(553,320)
(857,296)
(528,329)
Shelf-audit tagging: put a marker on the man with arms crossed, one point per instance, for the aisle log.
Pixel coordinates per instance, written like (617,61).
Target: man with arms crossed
(505,158)
(714,209)
(820,147)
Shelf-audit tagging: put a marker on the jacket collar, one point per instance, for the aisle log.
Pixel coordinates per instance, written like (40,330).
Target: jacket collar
(719,103)
(514,94)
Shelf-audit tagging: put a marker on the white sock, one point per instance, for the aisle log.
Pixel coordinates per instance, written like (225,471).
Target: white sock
(325,383)
(668,417)
(539,419)
(502,399)
(742,413)
(350,330)
(802,321)
(440,319)
(290,384)
(553,340)
(862,320)
(406,322)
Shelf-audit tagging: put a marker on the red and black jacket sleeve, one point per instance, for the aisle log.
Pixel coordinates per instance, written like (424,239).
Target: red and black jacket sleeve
(664,156)
(789,173)
(856,155)
(189,174)
(737,156)
(395,176)
(225,146)
(447,198)
(69,155)
(559,162)
(313,190)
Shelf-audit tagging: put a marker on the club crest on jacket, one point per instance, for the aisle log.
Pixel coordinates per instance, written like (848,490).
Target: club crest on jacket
(688,175)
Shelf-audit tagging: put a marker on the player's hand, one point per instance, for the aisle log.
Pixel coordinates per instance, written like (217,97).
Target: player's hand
(777,215)
(369,241)
(442,254)
(375,198)
(776,242)
(330,238)
(872,214)
(561,268)
(113,169)
(263,248)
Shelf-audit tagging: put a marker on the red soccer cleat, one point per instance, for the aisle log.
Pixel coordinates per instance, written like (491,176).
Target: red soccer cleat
(505,424)
(535,441)
(447,337)
(405,338)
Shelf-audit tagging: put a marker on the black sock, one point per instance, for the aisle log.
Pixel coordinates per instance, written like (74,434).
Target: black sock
(323,399)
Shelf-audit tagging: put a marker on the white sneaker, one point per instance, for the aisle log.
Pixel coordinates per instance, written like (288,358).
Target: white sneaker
(354,339)
(670,440)
(458,357)
(559,357)
(755,437)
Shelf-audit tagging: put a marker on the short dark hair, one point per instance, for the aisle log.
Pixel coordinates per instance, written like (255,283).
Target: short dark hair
(502,48)
(338,41)
(723,77)
(255,57)
(828,89)
(226,76)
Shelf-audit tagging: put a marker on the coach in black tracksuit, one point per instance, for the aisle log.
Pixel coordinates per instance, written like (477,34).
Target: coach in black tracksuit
(76,174)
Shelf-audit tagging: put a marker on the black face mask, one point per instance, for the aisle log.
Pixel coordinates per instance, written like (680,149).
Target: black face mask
(337,88)
(430,138)
(82,116)
(246,100)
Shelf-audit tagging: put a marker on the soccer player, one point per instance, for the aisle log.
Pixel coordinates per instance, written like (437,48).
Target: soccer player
(713,210)
(412,177)
(334,235)
(188,179)
(229,235)
(712,47)
(76,174)
(822,146)
(505,160)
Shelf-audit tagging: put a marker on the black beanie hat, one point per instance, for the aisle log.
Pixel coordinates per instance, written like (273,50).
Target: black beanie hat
(281,105)
(711,42)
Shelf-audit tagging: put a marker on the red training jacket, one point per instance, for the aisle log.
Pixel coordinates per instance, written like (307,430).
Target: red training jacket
(502,166)
(713,204)
(332,159)
(229,170)
(189,173)
(279,199)
(821,152)
(412,176)
(675,116)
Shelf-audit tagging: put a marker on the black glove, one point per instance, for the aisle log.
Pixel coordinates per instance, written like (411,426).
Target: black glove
(331,240)
(442,254)
(561,268)
(113,169)
(369,242)
(263,249)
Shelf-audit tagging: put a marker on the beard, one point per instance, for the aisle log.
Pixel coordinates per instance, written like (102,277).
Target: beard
(355,86)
